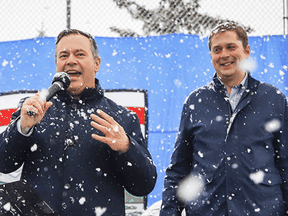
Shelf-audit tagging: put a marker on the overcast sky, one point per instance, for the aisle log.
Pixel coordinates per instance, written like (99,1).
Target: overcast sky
(23,19)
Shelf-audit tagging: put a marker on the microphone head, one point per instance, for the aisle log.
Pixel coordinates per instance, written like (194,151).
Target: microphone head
(63,78)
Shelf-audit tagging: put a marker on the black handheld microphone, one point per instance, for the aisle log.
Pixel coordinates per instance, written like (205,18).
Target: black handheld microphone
(61,81)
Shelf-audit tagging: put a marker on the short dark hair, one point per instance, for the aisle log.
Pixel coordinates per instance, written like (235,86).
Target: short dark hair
(230,26)
(64,33)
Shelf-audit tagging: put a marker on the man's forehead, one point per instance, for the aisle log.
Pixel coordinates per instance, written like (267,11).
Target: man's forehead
(74,42)
(70,49)
(72,38)
(225,37)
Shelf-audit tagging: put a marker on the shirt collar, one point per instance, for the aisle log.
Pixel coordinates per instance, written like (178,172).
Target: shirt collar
(245,80)
(243,83)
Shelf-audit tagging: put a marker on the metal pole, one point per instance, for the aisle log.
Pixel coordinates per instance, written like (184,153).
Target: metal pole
(68,14)
(285,16)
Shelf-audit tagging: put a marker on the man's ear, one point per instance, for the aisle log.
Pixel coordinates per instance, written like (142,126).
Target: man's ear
(248,51)
(97,64)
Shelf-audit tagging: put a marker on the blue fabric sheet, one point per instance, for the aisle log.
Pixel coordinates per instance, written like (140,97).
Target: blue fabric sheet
(168,66)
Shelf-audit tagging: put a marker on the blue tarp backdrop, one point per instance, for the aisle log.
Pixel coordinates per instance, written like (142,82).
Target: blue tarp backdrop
(169,67)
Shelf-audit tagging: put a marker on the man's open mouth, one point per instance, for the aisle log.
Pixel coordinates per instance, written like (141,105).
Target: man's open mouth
(227,63)
(74,73)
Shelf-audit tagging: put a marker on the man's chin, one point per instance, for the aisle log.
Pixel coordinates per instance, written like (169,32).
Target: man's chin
(75,92)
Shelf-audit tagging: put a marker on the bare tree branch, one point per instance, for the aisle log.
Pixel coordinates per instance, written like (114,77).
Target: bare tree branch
(172,16)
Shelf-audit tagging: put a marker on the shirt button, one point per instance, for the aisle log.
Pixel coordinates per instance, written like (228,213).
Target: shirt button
(67,186)
(74,106)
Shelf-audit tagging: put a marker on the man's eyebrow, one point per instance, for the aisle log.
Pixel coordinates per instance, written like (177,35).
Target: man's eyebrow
(229,44)
(63,51)
(66,52)
(80,50)
(217,46)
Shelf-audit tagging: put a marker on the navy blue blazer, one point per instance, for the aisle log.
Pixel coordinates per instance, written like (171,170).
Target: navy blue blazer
(226,148)
(70,170)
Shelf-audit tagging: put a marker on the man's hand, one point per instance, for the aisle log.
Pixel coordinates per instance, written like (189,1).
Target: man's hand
(36,105)
(115,135)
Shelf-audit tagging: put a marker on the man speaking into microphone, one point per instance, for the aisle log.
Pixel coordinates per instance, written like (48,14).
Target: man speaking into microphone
(79,149)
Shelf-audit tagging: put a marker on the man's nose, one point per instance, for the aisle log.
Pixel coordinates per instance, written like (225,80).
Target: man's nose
(71,60)
(225,53)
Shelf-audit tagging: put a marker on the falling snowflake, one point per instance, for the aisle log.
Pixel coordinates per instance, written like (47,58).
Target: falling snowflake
(200,154)
(178,83)
(7,206)
(219,118)
(100,211)
(192,107)
(273,125)
(247,64)
(4,63)
(82,200)
(43,94)
(281,73)
(34,148)
(168,55)
(257,177)
(190,188)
